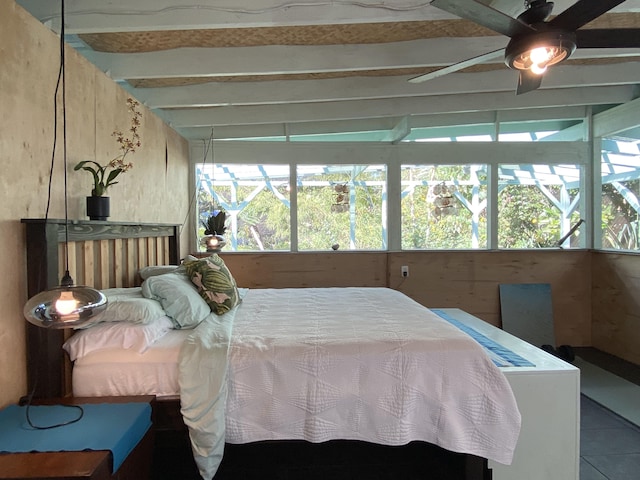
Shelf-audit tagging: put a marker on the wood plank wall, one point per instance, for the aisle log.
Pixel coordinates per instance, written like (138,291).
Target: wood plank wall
(295,270)
(615,304)
(468,280)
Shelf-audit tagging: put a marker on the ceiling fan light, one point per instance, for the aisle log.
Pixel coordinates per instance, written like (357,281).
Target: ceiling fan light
(538,52)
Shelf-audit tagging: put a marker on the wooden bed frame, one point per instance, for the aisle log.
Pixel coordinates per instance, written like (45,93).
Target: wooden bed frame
(109,254)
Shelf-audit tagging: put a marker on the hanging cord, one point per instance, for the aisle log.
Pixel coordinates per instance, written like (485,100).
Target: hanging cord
(208,146)
(35,426)
(67,278)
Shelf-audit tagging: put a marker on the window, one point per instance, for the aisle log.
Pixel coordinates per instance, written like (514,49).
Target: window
(620,171)
(341,207)
(444,207)
(403,200)
(537,205)
(256,197)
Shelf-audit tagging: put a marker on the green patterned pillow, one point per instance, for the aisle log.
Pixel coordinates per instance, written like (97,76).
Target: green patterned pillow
(214,282)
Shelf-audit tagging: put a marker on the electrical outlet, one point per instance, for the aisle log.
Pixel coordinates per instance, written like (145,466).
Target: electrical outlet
(405,271)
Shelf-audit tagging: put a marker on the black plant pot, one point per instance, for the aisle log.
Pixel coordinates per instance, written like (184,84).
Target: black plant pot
(98,208)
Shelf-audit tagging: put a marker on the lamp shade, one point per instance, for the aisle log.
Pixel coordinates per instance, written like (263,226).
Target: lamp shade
(64,306)
(213,243)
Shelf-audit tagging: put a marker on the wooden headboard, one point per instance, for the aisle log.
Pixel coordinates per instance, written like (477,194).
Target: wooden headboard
(101,255)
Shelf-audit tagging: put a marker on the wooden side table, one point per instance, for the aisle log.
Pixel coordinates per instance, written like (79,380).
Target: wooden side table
(88,465)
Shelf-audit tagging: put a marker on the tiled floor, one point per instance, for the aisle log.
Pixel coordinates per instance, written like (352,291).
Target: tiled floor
(610,445)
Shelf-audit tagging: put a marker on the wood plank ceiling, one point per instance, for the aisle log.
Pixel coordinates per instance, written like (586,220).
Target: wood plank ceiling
(252,68)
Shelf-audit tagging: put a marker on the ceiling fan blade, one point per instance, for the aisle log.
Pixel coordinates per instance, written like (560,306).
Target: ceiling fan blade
(528,81)
(608,38)
(484,15)
(458,66)
(582,12)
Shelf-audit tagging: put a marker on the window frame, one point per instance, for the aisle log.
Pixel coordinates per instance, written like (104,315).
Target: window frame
(393,156)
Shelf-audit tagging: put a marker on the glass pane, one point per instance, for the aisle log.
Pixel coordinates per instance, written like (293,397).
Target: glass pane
(256,198)
(620,192)
(341,207)
(444,207)
(537,205)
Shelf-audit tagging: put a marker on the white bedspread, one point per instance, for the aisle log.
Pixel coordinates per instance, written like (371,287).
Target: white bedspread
(356,363)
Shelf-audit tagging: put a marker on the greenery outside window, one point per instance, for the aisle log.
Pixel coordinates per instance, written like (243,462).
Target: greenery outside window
(537,205)
(620,164)
(444,207)
(341,207)
(256,199)
(403,200)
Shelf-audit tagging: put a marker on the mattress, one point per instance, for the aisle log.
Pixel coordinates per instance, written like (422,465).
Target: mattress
(121,372)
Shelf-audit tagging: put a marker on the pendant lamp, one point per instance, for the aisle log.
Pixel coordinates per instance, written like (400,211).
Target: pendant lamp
(66,305)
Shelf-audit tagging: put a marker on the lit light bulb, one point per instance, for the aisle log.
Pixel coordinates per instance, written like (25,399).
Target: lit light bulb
(66,303)
(537,69)
(540,55)
(539,58)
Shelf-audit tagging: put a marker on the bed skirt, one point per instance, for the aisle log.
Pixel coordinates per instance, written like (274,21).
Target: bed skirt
(293,460)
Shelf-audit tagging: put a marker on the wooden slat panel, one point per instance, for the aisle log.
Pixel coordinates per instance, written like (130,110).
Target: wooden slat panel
(88,265)
(159,253)
(152,249)
(141,259)
(131,262)
(61,259)
(105,261)
(118,268)
(73,259)
(166,248)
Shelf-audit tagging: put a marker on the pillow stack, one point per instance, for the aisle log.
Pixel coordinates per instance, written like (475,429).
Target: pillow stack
(171,297)
(197,288)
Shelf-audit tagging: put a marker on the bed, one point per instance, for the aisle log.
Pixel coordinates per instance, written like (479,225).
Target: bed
(384,395)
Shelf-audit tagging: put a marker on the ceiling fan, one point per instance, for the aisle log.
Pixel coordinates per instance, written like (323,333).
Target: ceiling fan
(536,43)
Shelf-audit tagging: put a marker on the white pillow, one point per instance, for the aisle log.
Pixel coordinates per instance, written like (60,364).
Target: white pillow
(134,336)
(128,305)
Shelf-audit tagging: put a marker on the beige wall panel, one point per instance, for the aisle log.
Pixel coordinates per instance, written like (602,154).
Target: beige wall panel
(286,270)
(470,281)
(154,191)
(616,304)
